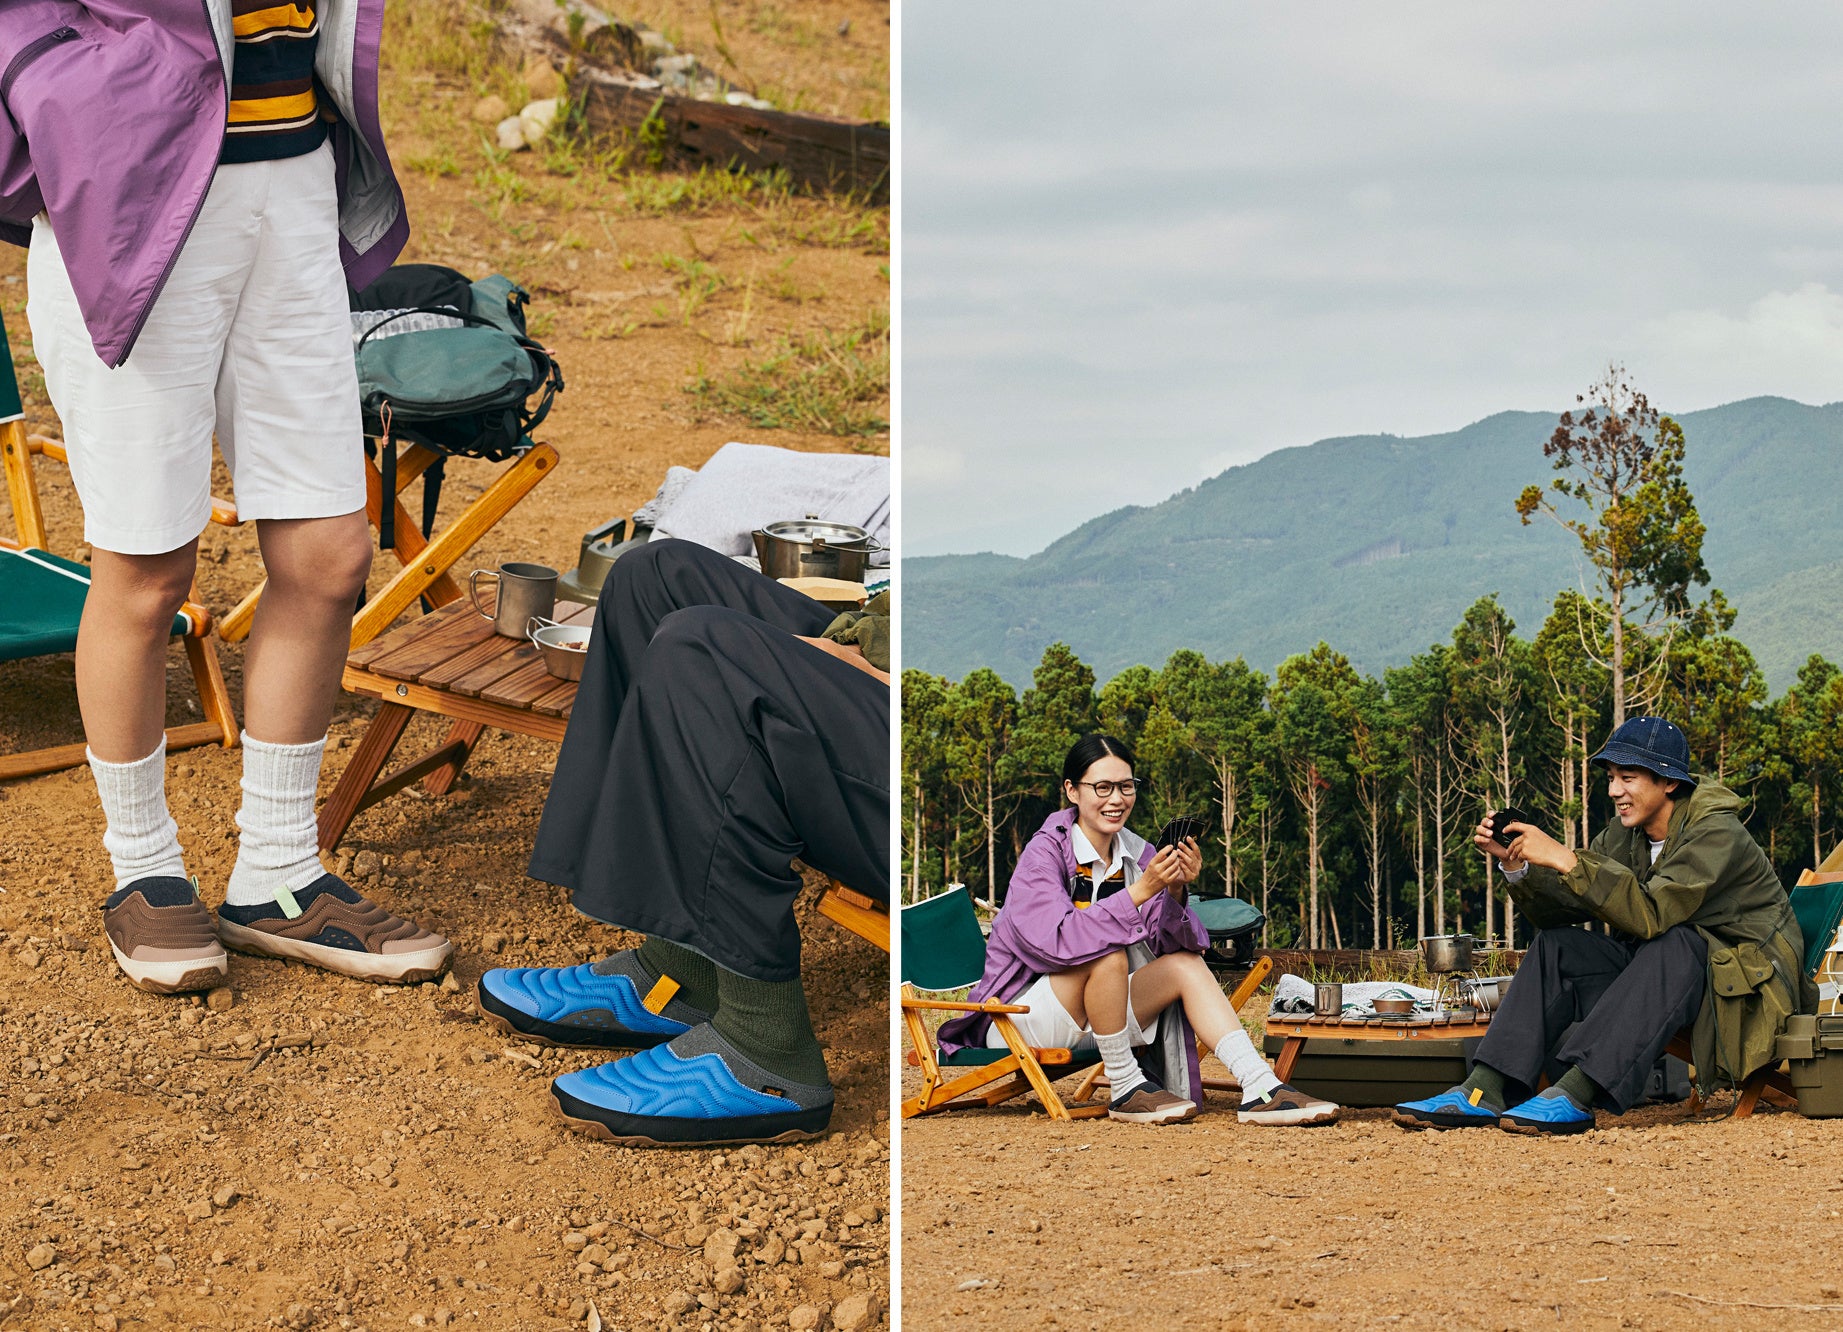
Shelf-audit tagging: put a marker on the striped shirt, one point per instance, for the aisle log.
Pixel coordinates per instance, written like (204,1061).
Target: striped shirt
(274,108)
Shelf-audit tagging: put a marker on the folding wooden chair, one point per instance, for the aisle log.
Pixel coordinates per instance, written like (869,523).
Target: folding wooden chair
(863,916)
(424,562)
(44,595)
(943,950)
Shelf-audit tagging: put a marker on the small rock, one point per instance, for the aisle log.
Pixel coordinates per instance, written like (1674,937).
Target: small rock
(198,1210)
(490,110)
(366,863)
(575,1241)
(844,27)
(28,957)
(720,1248)
(107,1322)
(804,1318)
(450,984)
(219,1257)
(221,1000)
(679,1301)
(164,1263)
(541,78)
(536,120)
(443,1317)
(729,1281)
(493,943)
(855,1313)
(41,1256)
(225,1196)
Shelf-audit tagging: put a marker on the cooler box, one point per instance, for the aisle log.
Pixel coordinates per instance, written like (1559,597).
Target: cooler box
(1814,1046)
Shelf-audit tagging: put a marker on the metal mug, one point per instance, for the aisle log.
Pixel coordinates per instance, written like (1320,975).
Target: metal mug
(1327,1000)
(525,590)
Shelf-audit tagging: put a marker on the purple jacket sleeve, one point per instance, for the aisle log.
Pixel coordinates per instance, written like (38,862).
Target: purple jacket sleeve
(1174,927)
(1044,927)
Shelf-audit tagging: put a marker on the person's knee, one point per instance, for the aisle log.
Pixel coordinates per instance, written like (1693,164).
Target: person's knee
(326,558)
(143,590)
(1112,966)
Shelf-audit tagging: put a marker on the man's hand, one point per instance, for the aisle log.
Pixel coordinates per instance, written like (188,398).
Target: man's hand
(1526,845)
(849,652)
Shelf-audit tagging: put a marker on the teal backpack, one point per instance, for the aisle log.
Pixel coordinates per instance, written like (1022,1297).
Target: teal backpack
(449,366)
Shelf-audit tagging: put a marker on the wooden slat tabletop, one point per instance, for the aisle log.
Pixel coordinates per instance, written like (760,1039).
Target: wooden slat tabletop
(455,649)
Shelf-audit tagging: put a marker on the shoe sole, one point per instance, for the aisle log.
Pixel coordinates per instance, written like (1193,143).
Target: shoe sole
(379,968)
(173,977)
(1415,1122)
(1304,1117)
(504,1018)
(1530,1130)
(647,1131)
(1169,1115)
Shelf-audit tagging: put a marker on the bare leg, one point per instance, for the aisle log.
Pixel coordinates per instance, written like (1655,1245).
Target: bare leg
(1094,994)
(303,626)
(121,648)
(1184,976)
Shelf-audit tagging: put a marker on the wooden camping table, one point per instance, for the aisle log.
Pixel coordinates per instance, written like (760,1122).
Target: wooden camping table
(1431,1027)
(451,663)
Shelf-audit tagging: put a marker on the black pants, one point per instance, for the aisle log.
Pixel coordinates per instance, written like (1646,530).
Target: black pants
(707,749)
(1629,998)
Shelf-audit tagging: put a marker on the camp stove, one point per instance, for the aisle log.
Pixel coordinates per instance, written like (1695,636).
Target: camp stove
(1449,962)
(601,547)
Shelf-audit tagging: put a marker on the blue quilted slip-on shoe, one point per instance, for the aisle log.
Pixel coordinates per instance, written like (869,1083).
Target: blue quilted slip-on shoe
(697,1090)
(1549,1113)
(1449,1110)
(612,1004)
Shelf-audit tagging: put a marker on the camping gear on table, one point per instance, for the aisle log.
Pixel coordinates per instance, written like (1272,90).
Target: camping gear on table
(446,363)
(1328,1000)
(813,548)
(525,591)
(564,647)
(1489,991)
(601,547)
(1445,953)
(1365,1073)
(1393,1006)
(1233,926)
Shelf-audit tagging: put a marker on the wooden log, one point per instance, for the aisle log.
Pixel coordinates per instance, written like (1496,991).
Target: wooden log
(817,152)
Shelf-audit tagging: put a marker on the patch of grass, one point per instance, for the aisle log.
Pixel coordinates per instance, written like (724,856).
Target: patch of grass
(831,382)
(705,190)
(436,162)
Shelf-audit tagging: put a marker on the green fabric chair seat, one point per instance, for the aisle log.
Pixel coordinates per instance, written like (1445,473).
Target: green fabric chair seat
(43,603)
(979,1058)
(1819,908)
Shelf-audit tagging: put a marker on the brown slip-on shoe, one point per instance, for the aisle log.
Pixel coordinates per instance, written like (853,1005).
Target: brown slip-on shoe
(1149,1103)
(161,935)
(332,925)
(1287,1105)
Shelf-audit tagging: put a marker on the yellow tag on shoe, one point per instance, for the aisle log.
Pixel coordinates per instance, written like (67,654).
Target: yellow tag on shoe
(285,900)
(1478,1094)
(660,995)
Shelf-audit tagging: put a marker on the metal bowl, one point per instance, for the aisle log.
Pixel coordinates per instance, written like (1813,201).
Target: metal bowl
(564,648)
(1393,1007)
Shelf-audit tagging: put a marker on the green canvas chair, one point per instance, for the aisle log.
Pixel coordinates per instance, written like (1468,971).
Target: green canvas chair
(942,951)
(44,596)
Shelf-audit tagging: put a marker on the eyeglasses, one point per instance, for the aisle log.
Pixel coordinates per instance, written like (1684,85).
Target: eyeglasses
(1125,788)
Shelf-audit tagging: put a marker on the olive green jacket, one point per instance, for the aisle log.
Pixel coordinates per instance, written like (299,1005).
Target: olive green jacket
(1711,874)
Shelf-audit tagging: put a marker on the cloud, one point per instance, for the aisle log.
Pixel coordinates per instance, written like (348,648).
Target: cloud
(1787,342)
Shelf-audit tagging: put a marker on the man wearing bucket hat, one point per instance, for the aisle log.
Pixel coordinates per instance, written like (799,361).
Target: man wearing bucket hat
(1701,934)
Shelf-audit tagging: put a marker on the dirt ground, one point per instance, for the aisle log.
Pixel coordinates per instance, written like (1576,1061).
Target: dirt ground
(326,1153)
(1649,1220)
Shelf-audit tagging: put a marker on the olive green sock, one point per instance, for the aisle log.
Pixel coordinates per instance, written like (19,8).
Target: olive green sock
(1488,1083)
(768,1022)
(1578,1087)
(696,974)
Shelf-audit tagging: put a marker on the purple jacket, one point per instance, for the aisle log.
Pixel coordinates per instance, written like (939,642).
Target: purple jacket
(112,115)
(1040,930)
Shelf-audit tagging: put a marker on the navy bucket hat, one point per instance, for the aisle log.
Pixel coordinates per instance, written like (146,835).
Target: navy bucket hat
(1650,743)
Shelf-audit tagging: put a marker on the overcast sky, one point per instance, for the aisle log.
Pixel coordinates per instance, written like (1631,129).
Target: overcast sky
(1141,244)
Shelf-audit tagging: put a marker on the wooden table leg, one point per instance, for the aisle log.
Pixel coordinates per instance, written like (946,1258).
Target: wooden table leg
(1289,1055)
(466,734)
(374,748)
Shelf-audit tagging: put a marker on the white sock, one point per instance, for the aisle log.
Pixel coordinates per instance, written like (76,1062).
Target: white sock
(1123,1071)
(1239,1056)
(139,834)
(280,843)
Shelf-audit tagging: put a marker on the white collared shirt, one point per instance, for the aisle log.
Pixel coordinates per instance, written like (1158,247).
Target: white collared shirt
(1128,846)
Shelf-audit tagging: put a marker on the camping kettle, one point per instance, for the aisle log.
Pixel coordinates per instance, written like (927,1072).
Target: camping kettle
(601,547)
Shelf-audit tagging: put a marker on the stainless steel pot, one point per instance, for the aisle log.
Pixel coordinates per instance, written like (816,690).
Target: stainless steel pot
(814,548)
(564,647)
(1448,952)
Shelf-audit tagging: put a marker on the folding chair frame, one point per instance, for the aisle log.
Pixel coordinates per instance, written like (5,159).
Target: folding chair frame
(220,727)
(424,562)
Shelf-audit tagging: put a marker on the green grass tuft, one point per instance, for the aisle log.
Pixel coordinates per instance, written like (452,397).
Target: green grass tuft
(832,382)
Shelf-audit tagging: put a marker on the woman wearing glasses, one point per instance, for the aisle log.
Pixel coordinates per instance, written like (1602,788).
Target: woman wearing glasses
(1096,939)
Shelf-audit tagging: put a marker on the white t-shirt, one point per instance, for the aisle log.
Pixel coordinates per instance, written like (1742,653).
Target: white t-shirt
(1128,846)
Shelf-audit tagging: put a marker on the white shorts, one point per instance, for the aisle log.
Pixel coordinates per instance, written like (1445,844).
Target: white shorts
(249,338)
(1048,1026)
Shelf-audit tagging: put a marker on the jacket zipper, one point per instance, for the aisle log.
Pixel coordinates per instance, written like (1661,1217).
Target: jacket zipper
(140,322)
(32,51)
